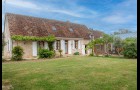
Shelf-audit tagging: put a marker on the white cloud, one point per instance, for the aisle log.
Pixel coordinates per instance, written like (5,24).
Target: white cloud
(122,13)
(75,11)
(23,4)
(66,12)
(118,19)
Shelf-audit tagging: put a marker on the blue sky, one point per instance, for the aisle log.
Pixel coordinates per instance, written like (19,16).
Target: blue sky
(104,15)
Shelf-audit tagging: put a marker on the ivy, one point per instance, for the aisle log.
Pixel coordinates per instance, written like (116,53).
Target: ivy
(49,38)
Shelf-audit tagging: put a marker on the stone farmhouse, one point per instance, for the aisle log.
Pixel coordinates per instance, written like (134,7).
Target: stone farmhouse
(71,37)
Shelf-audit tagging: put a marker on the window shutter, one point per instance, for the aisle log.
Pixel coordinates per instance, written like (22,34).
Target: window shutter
(63,46)
(54,45)
(69,47)
(79,44)
(73,44)
(34,46)
(46,45)
(83,49)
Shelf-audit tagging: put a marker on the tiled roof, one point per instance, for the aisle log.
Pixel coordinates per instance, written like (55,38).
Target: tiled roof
(96,33)
(33,26)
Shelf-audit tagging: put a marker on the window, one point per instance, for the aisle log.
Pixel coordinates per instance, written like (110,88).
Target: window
(57,44)
(91,36)
(8,45)
(76,44)
(71,29)
(53,28)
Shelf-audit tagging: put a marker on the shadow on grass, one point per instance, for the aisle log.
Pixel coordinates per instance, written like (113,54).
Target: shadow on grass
(117,57)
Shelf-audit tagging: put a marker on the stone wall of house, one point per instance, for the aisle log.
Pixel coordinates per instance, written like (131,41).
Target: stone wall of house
(27,48)
(7,53)
(72,49)
(85,42)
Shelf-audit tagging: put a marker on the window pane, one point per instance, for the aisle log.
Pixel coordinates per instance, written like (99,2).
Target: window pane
(71,29)
(57,44)
(76,44)
(53,28)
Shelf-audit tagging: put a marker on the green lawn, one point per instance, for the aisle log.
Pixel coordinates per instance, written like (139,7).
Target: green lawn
(73,73)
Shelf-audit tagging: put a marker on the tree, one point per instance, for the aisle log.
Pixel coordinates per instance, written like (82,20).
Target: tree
(118,44)
(122,31)
(130,40)
(91,45)
(130,47)
(107,39)
(98,41)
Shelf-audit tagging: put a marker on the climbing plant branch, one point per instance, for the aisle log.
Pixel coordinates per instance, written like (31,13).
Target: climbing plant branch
(50,38)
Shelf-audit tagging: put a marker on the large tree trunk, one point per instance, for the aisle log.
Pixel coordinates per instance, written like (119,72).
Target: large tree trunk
(118,51)
(92,51)
(106,48)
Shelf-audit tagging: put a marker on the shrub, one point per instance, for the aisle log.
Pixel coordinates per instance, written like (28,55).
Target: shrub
(45,53)
(76,53)
(91,54)
(130,51)
(130,48)
(17,53)
(106,55)
(3,60)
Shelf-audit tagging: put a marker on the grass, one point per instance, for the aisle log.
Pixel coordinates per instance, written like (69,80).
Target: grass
(73,73)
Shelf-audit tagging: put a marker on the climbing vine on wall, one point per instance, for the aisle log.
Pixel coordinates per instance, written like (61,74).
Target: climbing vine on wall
(50,38)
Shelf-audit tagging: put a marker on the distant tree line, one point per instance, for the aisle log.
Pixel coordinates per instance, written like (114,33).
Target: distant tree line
(122,31)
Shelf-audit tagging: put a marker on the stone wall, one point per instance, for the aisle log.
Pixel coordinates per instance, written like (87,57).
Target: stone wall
(7,50)
(27,48)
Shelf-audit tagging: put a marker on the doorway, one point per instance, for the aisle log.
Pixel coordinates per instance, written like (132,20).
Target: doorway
(66,46)
(85,49)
